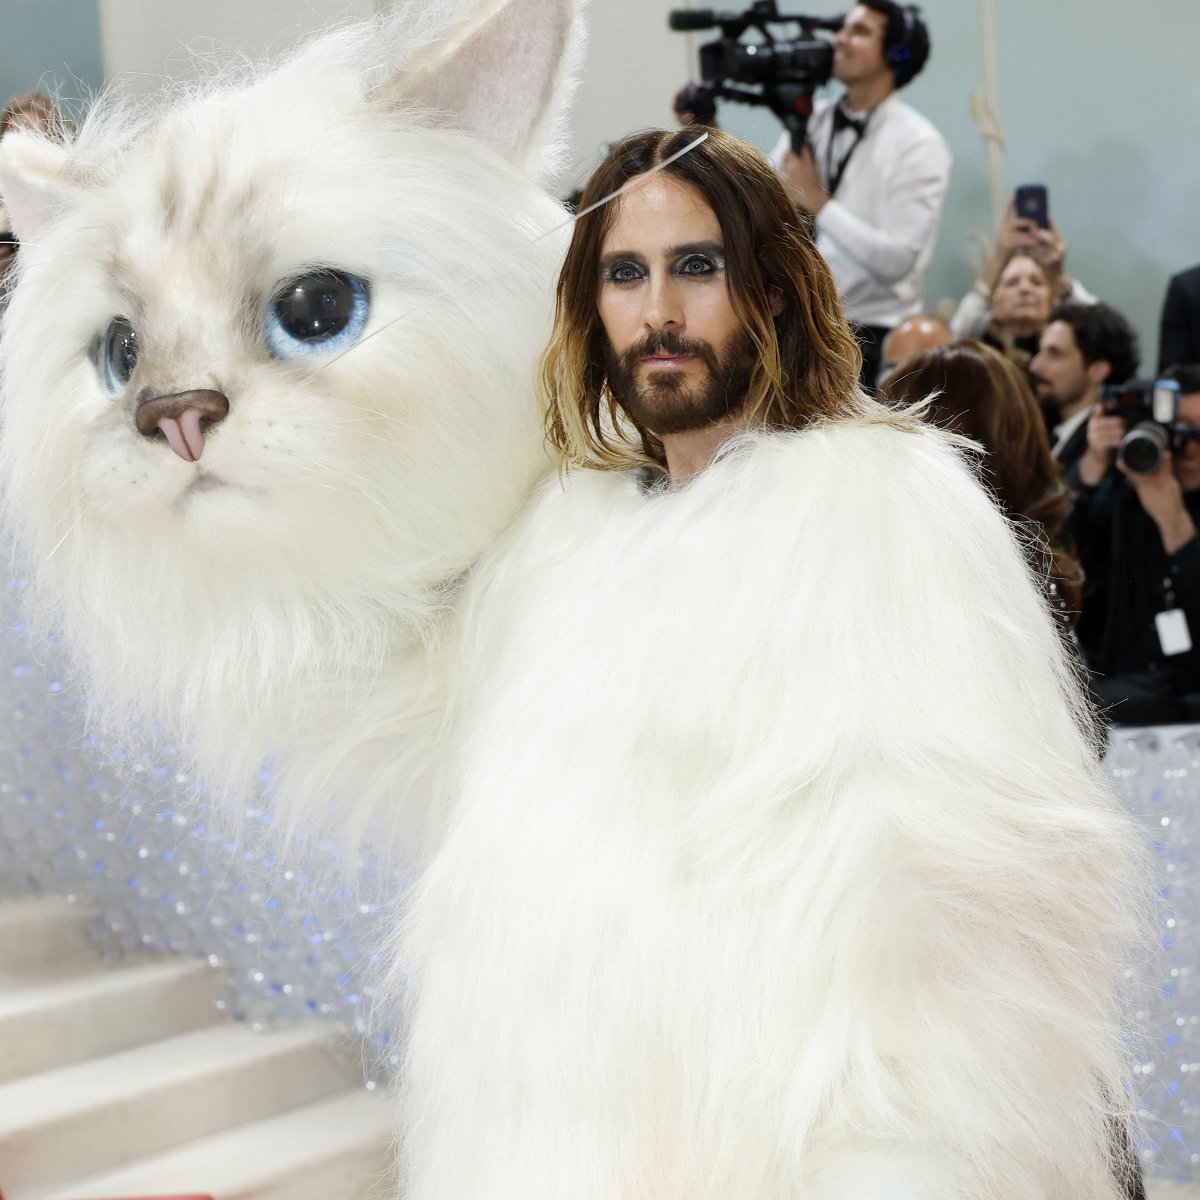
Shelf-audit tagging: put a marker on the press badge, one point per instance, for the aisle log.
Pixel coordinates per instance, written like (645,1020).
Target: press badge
(1173,634)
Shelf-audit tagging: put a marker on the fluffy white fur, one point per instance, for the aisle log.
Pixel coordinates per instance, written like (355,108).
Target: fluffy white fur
(296,607)
(781,867)
(777,865)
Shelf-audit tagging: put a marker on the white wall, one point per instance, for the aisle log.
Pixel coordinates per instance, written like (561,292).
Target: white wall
(53,45)
(142,40)
(634,66)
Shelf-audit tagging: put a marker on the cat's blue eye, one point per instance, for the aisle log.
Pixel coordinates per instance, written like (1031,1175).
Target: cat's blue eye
(117,354)
(319,313)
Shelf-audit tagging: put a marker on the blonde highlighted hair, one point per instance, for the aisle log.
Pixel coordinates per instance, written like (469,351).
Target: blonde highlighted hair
(779,287)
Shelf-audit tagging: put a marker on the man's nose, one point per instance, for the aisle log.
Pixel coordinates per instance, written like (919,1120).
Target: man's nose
(663,308)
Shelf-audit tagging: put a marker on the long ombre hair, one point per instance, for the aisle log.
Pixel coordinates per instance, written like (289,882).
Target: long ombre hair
(976,391)
(779,286)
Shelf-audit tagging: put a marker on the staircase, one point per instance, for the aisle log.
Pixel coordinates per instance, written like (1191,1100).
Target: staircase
(124,1081)
(127,1080)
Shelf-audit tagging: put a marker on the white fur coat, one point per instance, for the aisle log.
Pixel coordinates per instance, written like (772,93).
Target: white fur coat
(774,863)
(781,867)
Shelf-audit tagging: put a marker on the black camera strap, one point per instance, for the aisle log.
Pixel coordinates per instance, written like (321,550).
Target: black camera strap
(842,120)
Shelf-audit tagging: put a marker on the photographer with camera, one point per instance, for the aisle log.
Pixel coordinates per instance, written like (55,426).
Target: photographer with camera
(1082,348)
(874,172)
(1135,518)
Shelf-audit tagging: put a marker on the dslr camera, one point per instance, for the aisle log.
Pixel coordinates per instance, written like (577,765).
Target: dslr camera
(775,72)
(1151,412)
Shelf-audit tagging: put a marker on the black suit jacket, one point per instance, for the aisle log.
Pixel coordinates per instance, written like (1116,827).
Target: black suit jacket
(1179,333)
(1072,450)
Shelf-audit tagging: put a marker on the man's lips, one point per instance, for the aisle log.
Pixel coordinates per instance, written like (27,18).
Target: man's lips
(659,361)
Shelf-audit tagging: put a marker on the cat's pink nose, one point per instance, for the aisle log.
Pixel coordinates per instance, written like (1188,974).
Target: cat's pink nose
(182,418)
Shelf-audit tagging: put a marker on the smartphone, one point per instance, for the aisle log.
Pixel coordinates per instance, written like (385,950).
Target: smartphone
(1031,202)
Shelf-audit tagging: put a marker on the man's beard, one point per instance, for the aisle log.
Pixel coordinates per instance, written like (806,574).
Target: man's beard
(1069,397)
(666,401)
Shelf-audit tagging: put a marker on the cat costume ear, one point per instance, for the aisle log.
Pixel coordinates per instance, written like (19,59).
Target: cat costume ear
(503,73)
(500,70)
(36,182)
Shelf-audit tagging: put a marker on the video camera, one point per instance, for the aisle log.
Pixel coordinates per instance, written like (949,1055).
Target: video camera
(785,73)
(1151,411)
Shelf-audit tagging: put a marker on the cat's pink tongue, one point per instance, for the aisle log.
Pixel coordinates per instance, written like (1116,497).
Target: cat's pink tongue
(184,435)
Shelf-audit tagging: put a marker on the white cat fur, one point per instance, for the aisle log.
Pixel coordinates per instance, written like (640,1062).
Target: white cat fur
(782,866)
(295,609)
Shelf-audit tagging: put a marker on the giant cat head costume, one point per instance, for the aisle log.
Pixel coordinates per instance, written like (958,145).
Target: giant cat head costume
(268,376)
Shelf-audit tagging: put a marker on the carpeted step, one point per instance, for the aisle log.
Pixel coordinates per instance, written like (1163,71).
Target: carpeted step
(337,1149)
(98,1115)
(37,930)
(52,1016)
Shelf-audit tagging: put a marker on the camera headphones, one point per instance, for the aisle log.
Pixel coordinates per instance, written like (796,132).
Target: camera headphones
(900,53)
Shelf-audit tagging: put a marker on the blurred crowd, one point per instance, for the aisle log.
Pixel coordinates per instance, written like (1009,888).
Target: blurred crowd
(1100,466)
(1103,470)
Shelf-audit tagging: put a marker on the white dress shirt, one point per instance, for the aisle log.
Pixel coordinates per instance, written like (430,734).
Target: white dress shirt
(1065,430)
(878,232)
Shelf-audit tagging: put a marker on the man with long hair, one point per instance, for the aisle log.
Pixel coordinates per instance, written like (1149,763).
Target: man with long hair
(671,320)
(782,866)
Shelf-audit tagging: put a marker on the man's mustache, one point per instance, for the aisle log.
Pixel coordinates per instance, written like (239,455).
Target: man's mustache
(666,342)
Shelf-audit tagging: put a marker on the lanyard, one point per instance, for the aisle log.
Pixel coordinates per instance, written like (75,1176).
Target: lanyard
(835,177)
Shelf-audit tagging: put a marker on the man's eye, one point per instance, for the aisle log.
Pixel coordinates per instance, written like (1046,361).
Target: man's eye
(697,265)
(625,272)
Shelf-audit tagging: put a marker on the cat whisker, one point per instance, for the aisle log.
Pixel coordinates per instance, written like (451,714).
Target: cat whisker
(508,259)
(369,415)
(324,423)
(54,494)
(356,482)
(383,416)
(329,487)
(58,545)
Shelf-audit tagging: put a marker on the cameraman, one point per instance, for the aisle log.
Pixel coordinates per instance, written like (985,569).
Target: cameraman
(1136,538)
(873,173)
